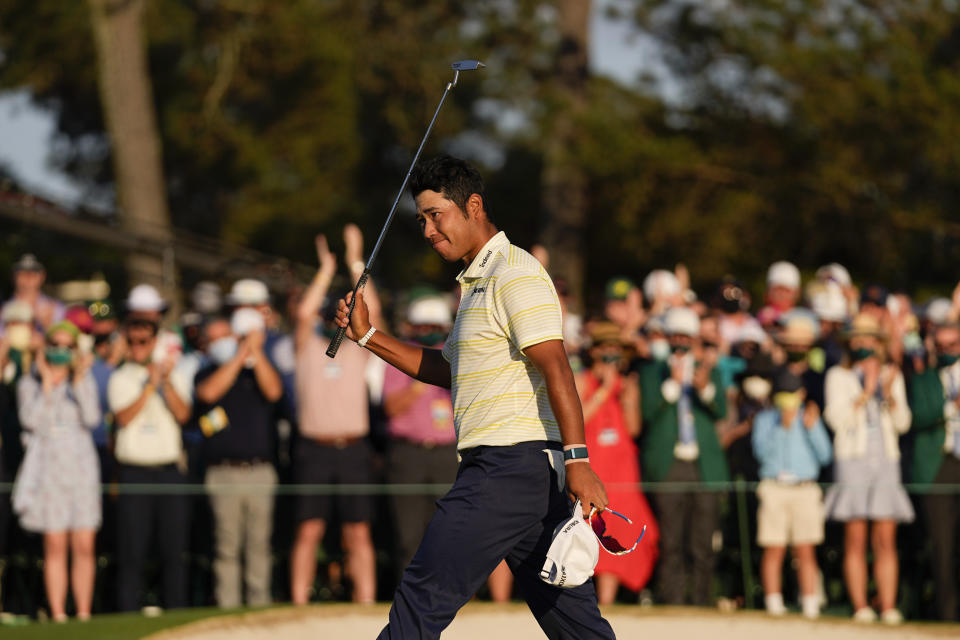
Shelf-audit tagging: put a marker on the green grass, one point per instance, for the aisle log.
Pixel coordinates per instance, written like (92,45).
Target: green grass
(114,626)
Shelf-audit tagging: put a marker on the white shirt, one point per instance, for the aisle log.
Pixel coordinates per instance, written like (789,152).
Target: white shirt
(153,436)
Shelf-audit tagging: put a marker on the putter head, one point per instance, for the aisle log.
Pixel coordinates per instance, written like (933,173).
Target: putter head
(467,65)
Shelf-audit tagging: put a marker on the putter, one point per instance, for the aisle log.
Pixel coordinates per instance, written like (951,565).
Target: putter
(462,65)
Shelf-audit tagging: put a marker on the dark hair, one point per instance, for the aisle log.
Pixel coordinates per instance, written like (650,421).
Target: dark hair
(141,323)
(456,179)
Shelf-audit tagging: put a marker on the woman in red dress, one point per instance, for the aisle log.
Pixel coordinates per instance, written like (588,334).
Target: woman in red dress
(611,411)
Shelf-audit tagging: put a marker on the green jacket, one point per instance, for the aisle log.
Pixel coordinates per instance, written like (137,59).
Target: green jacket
(926,402)
(661,430)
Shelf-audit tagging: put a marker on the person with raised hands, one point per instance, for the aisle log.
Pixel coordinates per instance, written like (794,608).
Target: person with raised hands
(682,400)
(57,489)
(866,407)
(791,444)
(332,446)
(150,401)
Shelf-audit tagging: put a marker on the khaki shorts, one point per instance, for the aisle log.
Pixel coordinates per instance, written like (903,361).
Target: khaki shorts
(789,514)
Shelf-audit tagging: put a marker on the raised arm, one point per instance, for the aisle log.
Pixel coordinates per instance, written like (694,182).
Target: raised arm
(316,292)
(353,239)
(267,377)
(214,386)
(426,365)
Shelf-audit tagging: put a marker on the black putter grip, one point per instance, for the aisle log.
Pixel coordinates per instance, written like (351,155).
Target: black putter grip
(342,331)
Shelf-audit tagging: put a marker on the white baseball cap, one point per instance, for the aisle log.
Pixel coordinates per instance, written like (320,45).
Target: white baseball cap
(145,297)
(784,274)
(248,292)
(207,297)
(834,272)
(829,303)
(430,310)
(660,282)
(17,311)
(750,332)
(682,321)
(244,321)
(937,310)
(573,554)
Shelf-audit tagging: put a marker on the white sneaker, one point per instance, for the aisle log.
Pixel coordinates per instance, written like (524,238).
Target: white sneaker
(865,615)
(810,605)
(774,604)
(891,617)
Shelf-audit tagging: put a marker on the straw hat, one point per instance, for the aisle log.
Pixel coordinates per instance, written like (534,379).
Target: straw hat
(864,324)
(605,333)
(798,326)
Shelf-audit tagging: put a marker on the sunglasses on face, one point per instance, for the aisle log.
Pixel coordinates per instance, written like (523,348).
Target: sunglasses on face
(609,541)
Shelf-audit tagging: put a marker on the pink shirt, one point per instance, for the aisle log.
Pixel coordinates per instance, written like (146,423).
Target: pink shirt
(429,418)
(332,392)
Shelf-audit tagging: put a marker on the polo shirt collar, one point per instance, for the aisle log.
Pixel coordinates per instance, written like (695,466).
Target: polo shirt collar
(482,260)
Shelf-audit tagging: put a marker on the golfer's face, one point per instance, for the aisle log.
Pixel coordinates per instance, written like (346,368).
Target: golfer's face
(444,225)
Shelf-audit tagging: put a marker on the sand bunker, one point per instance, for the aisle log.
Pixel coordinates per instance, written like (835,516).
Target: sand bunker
(483,621)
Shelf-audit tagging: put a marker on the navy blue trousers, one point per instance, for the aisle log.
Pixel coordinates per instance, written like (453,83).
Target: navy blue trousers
(505,503)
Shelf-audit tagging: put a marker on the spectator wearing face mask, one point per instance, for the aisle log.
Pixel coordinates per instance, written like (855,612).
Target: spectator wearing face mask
(333,445)
(783,291)
(611,422)
(658,345)
(866,406)
(150,402)
(57,490)
(235,395)
(796,332)
(422,438)
(681,403)
(836,276)
(830,305)
(29,276)
(935,400)
(752,395)
(791,444)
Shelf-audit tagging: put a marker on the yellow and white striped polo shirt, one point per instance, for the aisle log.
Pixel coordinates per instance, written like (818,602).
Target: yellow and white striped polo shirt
(507,304)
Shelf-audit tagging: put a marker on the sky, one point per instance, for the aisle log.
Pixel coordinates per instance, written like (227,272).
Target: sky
(27,133)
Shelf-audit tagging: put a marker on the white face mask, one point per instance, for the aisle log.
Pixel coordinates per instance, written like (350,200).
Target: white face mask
(757,388)
(660,349)
(223,349)
(18,335)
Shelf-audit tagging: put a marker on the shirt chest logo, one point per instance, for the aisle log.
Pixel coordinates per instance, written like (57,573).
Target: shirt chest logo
(477,290)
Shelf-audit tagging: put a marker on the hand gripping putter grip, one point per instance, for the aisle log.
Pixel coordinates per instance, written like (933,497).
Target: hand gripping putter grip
(462,65)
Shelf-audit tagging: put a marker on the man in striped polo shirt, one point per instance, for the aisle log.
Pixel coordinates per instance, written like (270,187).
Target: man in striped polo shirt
(515,409)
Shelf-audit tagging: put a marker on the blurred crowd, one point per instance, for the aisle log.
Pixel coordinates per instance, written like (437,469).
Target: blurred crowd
(816,382)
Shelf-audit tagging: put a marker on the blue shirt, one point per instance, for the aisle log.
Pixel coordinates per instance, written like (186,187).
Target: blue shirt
(101,371)
(795,454)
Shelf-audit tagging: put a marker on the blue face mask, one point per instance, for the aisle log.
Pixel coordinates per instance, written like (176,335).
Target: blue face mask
(223,350)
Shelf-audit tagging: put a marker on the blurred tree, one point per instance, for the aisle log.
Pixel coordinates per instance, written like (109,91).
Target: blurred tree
(822,130)
(131,123)
(564,176)
(814,131)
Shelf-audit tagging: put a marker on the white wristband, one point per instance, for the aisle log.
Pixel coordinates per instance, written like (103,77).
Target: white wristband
(369,334)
